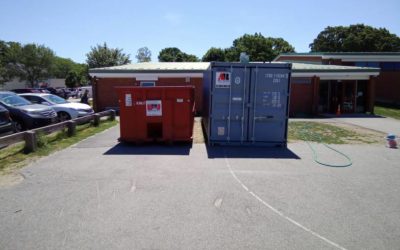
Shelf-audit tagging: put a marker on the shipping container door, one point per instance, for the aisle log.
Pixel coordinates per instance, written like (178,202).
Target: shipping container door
(268,109)
(228,107)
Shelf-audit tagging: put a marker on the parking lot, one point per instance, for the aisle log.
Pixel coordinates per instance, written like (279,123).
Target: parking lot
(100,194)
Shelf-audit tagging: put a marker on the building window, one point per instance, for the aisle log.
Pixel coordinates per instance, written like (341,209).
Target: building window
(367,64)
(390,66)
(147,84)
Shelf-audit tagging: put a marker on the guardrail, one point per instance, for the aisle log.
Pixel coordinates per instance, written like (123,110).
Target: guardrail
(30,136)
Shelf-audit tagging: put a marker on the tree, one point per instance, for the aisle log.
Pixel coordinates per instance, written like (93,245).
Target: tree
(143,55)
(103,56)
(4,73)
(72,80)
(214,55)
(10,53)
(36,63)
(258,47)
(30,62)
(174,54)
(355,38)
(62,66)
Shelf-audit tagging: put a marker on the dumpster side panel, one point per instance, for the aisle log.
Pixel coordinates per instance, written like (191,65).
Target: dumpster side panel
(156,113)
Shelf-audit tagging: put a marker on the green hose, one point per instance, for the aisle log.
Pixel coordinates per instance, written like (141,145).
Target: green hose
(315,155)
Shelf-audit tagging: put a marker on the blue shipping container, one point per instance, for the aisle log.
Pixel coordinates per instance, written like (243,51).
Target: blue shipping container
(246,104)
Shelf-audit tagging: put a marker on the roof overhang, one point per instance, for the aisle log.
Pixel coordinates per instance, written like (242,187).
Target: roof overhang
(146,76)
(349,57)
(364,58)
(337,75)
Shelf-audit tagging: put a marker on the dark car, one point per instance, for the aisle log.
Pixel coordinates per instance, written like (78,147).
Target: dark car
(52,91)
(64,93)
(27,90)
(6,125)
(30,90)
(25,114)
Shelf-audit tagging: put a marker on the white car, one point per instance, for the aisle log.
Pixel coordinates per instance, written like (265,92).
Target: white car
(65,110)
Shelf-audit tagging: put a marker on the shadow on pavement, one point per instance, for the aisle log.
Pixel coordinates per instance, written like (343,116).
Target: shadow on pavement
(149,149)
(250,152)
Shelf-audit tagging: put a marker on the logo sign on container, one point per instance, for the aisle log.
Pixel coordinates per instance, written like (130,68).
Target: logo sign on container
(153,108)
(223,80)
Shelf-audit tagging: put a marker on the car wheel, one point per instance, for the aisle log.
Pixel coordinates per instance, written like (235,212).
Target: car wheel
(63,116)
(18,126)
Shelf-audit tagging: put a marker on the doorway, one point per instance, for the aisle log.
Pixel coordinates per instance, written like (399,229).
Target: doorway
(337,93)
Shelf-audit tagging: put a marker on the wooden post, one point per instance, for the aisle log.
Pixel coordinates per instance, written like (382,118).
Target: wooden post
(315,95)
(96,120)
(71,125)
(30,142)
(112,114)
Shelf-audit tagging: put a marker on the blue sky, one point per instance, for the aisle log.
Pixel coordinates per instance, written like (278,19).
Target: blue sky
(71,27)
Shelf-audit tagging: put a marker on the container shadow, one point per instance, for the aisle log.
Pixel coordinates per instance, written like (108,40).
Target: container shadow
(250,152)
(149,149)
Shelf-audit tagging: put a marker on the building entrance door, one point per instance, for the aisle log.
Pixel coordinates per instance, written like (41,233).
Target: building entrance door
(342,94)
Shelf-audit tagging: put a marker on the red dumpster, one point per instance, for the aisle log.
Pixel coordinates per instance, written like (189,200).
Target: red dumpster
(156,113)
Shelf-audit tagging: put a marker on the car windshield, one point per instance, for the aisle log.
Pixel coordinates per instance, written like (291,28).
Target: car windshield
(13,100)
(55,99)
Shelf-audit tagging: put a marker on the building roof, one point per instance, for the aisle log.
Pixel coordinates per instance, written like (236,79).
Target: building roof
(312,67)
(151,71)
(333,72)
(149,67)
(341,53)
(349,56)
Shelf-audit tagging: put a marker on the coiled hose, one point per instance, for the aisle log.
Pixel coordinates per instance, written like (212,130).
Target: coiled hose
(318,139)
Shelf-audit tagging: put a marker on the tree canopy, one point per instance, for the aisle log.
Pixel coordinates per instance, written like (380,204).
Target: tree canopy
(66,68)
(258,47)
(5,62)
(103,56)
(355,38)
(173,54)
(29,62)
(143,55)
(214,55)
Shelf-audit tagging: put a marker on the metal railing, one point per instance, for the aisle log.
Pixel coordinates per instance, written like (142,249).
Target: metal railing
(30,136)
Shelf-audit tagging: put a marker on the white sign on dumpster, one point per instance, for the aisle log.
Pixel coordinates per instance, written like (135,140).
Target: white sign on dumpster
(153,108)
(128,100)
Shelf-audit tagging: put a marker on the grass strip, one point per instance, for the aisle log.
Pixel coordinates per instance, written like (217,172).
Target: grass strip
(387,112)
(324,133)
(13,157)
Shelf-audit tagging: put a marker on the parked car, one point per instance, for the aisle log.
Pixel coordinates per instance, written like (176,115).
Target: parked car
(63,92)
(25,114)
(6,125)
(74,92)
(82,90)
(27,90)
(65,110)
(52,90)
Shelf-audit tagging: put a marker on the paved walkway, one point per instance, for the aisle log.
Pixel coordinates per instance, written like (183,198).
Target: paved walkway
(99,194)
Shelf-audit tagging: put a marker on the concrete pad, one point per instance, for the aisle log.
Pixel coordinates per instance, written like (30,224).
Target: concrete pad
(100,194)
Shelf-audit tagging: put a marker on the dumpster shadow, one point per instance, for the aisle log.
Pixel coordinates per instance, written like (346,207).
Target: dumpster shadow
(149,149)
(250,152)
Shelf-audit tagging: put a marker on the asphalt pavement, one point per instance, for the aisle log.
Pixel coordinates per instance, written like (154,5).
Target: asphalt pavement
(99,194)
